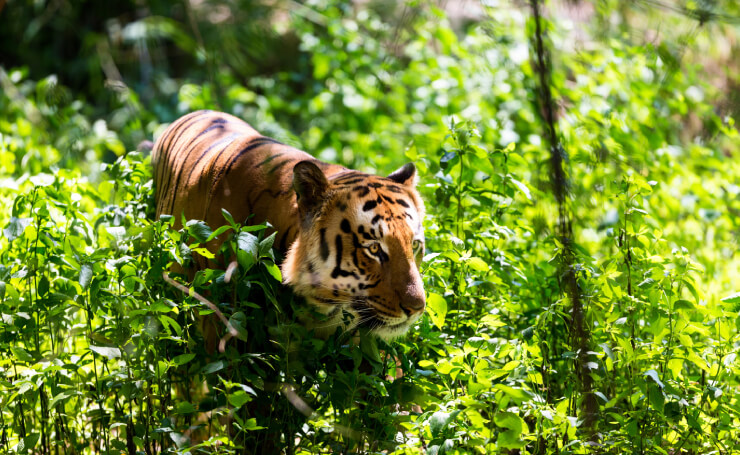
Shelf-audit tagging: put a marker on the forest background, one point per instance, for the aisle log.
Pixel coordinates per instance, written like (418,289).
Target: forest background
(581,171)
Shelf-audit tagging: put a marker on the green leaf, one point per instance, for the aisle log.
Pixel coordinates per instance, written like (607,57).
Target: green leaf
(117,232)
(732,299)
(21,354)
(59,397)
(185,407)
(440,420)
(204,252)
(228,217)
(273,270)
(517,394)
(15,227)
(683,305)
(199,230)
(652,374)
(511,438)
(213,367)
(478,264)
(28,443)
(437,309)
(656,397)
(111,353)
(266,245)
(369,347)
(251,425)
(219,231)
(239,321)
(43,286)
(239,399)
(247,248)
(447,157)
(182,359)
(521,187)
(86,273)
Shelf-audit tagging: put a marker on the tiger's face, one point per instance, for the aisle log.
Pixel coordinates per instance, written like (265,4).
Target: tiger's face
(357,257)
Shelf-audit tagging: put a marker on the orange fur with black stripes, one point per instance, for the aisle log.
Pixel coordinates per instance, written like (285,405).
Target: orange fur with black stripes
(352,241)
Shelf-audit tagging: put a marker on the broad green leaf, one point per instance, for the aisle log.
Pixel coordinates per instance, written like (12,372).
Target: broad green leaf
(219,231)
(21,354)
(111,353)
(59,397)
(213,367)
(652,374)
(273,270)
(251,425)
(228,217)
(493,321)
(15,227)
(683,305)
(478,264)
(182,359)
(522,188)
(199,230)
(511,438)
(239,399)
(239,321)
(185,407)
(28,443)
(369,347)
(440,420)
(517,394)
(437,309)
(266,245)
(86,273)
(117,232)
(43,288)
(248,247)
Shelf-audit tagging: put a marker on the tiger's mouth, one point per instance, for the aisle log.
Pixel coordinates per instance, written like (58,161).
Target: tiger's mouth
(357,313)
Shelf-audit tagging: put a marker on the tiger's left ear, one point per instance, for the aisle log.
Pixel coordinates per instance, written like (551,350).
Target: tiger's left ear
(310,185)
(406,175)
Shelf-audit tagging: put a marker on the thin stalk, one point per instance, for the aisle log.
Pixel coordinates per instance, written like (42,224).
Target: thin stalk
(581,336)
(458,227)
(98,399)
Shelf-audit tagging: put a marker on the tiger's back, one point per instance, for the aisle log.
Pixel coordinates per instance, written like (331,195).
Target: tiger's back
(207,160)
(353,242)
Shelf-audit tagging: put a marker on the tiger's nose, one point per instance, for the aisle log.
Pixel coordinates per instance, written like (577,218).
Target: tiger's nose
(413,302)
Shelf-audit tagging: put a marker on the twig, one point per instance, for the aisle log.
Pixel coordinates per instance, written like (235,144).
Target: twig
(230,271)
(206,302)
(307,411)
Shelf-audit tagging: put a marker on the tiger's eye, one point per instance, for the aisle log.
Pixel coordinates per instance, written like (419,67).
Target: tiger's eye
(374,248)
(416,244)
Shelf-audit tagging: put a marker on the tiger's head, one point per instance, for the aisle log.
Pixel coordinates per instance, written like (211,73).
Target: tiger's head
(356,258)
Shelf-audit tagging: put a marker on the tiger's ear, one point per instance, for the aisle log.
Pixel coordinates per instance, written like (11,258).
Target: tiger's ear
(406,175)
(310,185)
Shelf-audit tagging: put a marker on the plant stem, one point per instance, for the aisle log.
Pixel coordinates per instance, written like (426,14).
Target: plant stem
(581,337)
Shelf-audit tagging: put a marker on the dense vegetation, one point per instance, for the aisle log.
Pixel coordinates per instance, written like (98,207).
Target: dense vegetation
(593,310)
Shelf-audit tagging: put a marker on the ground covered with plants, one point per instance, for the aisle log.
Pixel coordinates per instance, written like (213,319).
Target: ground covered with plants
(580,163)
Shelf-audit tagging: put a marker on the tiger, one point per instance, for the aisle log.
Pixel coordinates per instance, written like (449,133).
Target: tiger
(352,242)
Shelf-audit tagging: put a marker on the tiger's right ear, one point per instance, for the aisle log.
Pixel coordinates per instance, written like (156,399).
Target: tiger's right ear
(310,185)
(406,175)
